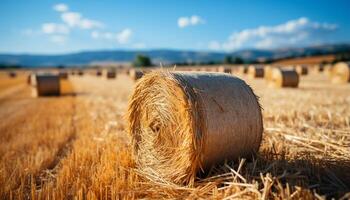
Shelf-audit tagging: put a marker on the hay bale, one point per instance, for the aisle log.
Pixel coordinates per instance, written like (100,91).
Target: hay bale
(63,75)
(243,70)
(223,69)
(111,74)
(12,74)
(80,72)
(284,78)
(135,74)
(267,72)
(301,69)
(31,79)
(341,72)
(98,73)
(182,122)
(255,71)
(47,85)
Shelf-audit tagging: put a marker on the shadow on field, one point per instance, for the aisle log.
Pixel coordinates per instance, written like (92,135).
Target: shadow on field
(330,178)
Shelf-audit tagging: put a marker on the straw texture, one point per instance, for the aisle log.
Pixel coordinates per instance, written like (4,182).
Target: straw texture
(47,85)
(284,78)
(341,72)
(184,122)
(268,72)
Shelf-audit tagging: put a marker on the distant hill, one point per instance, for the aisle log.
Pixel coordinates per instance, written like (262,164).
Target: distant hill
(166,56)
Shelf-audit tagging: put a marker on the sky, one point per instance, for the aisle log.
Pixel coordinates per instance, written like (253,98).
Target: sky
(62,26)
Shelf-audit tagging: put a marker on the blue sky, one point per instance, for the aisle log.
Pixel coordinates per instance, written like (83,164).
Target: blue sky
(34,26)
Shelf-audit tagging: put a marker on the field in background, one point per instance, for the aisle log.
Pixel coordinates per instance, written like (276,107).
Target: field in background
(76,146)
(312,60)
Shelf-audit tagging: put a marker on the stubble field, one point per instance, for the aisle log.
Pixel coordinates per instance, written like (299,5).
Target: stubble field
(76,146)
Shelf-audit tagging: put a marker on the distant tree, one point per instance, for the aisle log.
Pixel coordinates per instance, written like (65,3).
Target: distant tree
(142,61)
(228,60)
(238,60)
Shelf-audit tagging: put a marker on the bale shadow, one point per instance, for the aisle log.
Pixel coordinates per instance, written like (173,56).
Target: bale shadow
(327,177)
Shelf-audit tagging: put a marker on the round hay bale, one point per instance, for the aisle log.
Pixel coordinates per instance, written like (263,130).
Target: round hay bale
(223,69)
(63,75)
(80,72)
(267,72)
(136,74)
(31,79)
(301,69)
(47,85)
(185,122)
(111,74)
(255,72)
(12,74)
(243,70)
(284,78)
(341,72)
(98,73)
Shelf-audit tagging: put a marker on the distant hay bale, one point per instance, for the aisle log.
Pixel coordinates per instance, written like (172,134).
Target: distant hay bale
(268,71)
(98,73)
(80,72)
(135,74)
(284,78)
(223,69)
(243,69)
(182,122)
(328,70)
(12,74)
(63,75)
(301,69)
(31,79)
(341,72)
(111,74)
(47,85)
(255,72)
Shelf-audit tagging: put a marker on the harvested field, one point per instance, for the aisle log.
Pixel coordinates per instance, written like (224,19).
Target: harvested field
(76,146)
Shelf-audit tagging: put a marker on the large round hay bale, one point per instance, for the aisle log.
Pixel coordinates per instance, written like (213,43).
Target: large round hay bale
(341,72)
(182,122)
(12,74)
(31,79)
(284,78)
(301,69)
(256,72)
(47,85)
(135,74)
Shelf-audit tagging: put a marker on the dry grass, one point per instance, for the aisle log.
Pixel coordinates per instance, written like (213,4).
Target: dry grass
(77,147)
(307,60)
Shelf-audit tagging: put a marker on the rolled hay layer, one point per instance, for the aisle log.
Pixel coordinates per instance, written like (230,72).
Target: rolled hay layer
(341,72)
(256,72)
(135,74)
(301,69)
(284,78)
(186,122)
(47,85)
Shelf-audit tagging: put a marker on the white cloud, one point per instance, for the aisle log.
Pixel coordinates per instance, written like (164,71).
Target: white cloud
(182,22)
(122,37)
(61,7)
(58,39)
(289,33)
(75,19)
(214,45)
(53,28)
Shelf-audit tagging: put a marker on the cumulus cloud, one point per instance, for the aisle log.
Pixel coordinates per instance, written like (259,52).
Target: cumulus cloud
(53,28)
(121,37)
(75,19)
(289,33)
(193,20)
(61,7)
